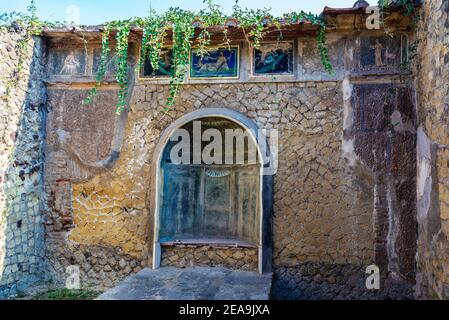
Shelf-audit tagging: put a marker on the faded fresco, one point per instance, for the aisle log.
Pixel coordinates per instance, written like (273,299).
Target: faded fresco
(273,58)
(111,64)
(382,53)
(165,66)
(220,63)
(67,62)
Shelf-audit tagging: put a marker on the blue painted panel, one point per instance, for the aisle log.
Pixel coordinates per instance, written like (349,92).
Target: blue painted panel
(221,63)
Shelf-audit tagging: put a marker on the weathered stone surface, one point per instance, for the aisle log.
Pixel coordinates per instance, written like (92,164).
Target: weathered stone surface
(192,284)
(100,267)
(386,147)
(432,65)
(22,120)
(311,178)
(110,210)
(344,194)
(320,281)
(232,258)
(72,124)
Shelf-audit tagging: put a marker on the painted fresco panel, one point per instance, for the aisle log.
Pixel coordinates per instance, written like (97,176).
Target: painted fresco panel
(165,66)
(67,62)
(273,58)
(386,54)
(111,64)
(220,63)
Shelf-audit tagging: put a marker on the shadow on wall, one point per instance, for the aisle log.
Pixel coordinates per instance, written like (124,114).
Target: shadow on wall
(22,131)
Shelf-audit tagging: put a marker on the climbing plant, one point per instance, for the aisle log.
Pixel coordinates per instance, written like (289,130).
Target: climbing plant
(30,25)
(189,31)
(183,24)
(408,8)
(105,52)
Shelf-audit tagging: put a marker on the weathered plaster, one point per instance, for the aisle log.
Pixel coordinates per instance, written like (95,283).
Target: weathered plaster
(432,82)
(334,148)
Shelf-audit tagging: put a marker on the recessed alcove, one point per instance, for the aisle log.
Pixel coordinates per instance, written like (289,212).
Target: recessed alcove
(213,209)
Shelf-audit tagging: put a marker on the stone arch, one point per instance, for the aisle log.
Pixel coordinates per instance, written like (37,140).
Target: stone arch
(265,246)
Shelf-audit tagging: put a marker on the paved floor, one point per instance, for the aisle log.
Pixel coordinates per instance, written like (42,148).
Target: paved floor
(192,284)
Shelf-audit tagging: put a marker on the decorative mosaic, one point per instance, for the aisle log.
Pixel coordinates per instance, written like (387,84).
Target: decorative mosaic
(273,58)
(220,63)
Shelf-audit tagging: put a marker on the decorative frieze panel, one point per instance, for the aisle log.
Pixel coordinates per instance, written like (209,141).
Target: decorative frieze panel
(275,58)
(111,64)
(309,64)
(298,59)
(68,62)
(78,62)
(219,63)
(165,69)
(381,55)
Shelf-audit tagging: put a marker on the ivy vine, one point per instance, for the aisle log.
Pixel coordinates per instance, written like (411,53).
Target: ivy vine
(408,8)
(28,25)
(183,25)
(189,31)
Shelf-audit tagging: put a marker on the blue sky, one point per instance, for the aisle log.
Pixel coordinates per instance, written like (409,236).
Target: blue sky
(98,11)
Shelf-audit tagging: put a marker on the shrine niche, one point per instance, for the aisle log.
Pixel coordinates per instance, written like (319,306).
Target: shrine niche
(210,202)
(215,205)
(382,54)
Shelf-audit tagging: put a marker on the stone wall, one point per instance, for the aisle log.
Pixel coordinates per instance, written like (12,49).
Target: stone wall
(95,217)
(208,256)
(22,120)
(318,281)
(110,208)
(432,82)
(343,192)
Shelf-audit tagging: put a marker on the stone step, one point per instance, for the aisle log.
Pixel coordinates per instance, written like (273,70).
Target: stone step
(196,283)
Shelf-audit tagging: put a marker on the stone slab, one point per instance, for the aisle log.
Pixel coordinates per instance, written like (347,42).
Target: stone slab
(196,283)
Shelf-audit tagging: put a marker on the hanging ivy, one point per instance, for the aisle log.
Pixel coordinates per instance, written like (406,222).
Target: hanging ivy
(153,39)
(321,35)
(182,24)
(104,56)
(123,29)
(28,25)
(407,7)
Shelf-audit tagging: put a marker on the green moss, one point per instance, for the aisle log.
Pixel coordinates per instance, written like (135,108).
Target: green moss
(66,294)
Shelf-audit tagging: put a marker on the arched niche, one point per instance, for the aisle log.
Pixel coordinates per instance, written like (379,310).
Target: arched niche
(203,203)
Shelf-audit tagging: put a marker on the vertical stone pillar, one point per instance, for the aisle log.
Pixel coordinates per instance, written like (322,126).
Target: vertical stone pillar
(22,132)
